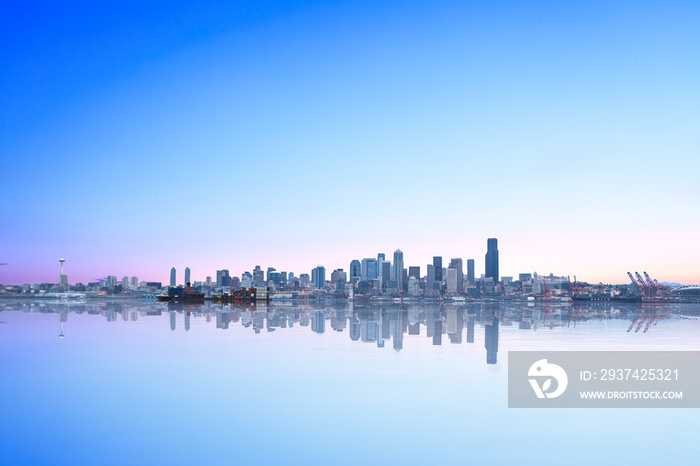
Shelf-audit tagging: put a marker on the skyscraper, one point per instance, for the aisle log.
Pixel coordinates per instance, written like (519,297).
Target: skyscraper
(457,265)
(414,271)
(355,270)
(369,269)
(492,259)
(398,269)
(173,277)
(470,271)
(437,263)
(319,277)
(187,276)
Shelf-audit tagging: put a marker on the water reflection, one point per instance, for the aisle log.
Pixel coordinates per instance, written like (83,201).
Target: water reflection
(374,324)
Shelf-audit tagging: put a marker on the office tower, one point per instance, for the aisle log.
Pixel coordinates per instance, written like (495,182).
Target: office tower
(457,265)
(258,276)
(187,276)
(271,270)
(380,266)
(319,274)
(386,273)
(492,259)
(430,276)
(398,269)
(452,280)
(235,283)
(173,277)
(355,270)
(414,271)
(437,263)
(369,269)
(125,283)
(134,282)
(470,271)
(338,279)
(208,281)
(247,280)
(223,278)
(218,278)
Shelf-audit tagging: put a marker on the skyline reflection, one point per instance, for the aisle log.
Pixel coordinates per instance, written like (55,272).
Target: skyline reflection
(374,324)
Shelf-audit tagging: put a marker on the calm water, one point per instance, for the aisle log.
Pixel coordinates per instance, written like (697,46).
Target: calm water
(133,383)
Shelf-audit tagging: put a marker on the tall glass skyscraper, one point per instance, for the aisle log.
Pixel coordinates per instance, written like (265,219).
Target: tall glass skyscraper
(492,259)
(398,268)
(319,277)
(437,263)
(173,277)
(470,271)
(187,276)
(355,270)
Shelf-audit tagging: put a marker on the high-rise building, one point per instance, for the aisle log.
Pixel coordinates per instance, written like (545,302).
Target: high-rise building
(338,279)
(492,259)
(437,263)
(414,271)
(355,270)
(470,272)
(187,276)
(208,281)
(225,278)
(134,282)
(386,273)
(457,265)
(369,269)
(430,276)
(125,283)
(319,274)
(452,280)
(173,277)
(380,264)
(398,269)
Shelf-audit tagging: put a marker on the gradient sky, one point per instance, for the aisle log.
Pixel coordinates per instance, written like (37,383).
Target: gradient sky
(137,136)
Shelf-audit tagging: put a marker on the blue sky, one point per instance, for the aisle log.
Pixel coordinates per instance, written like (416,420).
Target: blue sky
(137,136)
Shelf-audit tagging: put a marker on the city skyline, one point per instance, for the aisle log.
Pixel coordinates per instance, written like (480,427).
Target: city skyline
(297,134)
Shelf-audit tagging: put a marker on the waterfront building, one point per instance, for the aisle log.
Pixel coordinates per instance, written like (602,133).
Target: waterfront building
(125,283)
(492,259)
(471,279)
(381,258)
(173,277)
(187,276)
